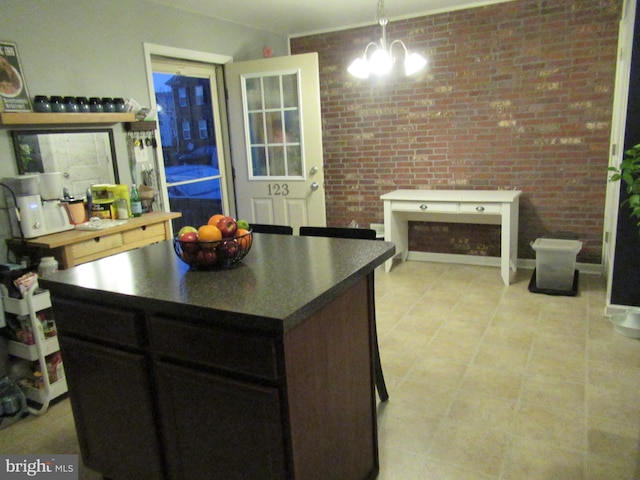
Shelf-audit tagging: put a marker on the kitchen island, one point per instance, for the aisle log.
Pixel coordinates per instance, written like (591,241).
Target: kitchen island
(261,371)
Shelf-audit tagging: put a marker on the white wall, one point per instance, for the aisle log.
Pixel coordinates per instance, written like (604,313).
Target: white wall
(95,48)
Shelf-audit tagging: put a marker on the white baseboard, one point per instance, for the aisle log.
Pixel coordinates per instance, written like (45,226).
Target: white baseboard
(524,263)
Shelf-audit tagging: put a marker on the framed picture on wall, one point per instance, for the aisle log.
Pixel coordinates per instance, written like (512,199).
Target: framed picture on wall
(14,96)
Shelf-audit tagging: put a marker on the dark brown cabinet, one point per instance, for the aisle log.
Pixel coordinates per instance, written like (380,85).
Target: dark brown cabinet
(113,410)
(235,433)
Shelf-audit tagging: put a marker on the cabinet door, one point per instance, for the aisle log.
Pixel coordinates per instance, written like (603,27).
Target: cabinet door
(112,408)
(219,428)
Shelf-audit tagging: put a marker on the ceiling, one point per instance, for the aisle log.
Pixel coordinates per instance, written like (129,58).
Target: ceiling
(298,17)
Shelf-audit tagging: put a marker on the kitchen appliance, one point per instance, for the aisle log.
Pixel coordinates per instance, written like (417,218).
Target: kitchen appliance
(39,210)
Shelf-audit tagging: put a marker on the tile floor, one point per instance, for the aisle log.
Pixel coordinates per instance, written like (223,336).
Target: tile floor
(486,382)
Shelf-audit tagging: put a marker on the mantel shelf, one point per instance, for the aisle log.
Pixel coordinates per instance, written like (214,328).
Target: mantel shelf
(29,118)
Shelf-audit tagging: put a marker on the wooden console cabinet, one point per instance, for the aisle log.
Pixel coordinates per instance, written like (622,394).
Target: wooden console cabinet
(75,247)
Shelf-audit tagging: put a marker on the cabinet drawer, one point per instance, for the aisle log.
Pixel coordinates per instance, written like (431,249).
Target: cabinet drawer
(481,208)
(425,207)
(97,322)
(144,233)
(97,245)
(235,352)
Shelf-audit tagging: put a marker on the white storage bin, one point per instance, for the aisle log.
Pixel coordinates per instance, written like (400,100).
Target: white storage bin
(555,263)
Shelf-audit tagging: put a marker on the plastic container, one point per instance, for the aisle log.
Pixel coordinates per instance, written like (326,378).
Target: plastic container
(555,262)
(47,265)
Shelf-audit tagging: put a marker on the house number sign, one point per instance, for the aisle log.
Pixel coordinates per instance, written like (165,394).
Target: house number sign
(276,189)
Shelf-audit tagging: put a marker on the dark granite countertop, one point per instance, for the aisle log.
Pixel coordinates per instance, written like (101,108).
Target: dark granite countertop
(278,284)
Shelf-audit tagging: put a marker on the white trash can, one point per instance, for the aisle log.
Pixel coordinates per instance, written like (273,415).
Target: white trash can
(555,263)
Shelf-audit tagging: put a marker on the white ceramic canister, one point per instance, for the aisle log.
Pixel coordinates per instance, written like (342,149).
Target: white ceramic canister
(47,265)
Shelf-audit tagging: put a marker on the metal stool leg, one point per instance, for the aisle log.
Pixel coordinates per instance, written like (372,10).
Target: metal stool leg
(377,365)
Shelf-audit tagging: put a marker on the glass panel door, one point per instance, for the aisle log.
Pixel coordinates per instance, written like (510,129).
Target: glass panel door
(191,149)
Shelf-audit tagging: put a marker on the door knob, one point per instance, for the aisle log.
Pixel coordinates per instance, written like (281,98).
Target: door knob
(313,170)
(315,186)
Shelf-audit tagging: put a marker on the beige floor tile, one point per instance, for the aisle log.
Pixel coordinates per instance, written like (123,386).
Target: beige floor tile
(613,404)
(505,336)
(477,449)
(423,399)
(400,465)
(535,460)
(614,442)
(554,343)
(403,429)
(482,411)
(563,428)
(434,470)
(556,364)
(433,370)
(500,357)
(614,376)
(552,392)
(491,381)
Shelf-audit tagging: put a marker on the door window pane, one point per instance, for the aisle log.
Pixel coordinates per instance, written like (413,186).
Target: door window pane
(276,162)
(271,105)
(290,91)
(259,158)
(272,97)
(254,93)
(274,127)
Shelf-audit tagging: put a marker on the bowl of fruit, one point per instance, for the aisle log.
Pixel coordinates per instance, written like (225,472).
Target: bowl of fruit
(222,243)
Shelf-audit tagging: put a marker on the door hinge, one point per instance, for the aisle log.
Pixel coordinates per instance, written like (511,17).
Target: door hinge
(614,149)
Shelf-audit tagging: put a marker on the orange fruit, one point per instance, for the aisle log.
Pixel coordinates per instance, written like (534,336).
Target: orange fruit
(209,233)
(244,242)
(213,220)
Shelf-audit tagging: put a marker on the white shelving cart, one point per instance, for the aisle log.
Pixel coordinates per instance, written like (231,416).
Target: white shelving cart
(44,347)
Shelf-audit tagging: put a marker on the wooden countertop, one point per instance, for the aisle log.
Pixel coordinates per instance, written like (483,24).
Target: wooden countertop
(56,240)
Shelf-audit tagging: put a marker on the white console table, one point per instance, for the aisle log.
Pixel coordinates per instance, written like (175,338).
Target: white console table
(494,207)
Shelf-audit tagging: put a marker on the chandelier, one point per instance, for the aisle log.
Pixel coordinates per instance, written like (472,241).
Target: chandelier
(381,59)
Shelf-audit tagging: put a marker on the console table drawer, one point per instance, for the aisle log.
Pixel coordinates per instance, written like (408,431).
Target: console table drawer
(425,207)
(146,233)
(481,208)
(97,245)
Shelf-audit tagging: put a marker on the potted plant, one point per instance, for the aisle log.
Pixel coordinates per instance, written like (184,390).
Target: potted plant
(629,173)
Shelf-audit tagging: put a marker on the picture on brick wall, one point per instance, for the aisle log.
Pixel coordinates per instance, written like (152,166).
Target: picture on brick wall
(14,96)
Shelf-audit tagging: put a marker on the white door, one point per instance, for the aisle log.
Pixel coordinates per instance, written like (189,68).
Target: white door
(276,140)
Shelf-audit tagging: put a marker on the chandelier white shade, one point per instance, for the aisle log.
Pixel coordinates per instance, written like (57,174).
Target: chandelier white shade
(380,61)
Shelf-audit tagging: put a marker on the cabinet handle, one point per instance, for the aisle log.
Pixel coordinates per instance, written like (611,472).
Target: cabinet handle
(480,208)
(424,206)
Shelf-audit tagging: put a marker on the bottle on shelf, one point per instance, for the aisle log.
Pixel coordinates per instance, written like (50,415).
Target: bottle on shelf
(136,204)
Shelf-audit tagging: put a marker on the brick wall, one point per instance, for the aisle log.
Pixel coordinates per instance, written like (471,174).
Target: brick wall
(516,96)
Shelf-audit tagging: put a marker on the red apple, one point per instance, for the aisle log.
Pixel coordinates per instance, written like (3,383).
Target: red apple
(228,226)
(188,241)
(229,248)
(207,257)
